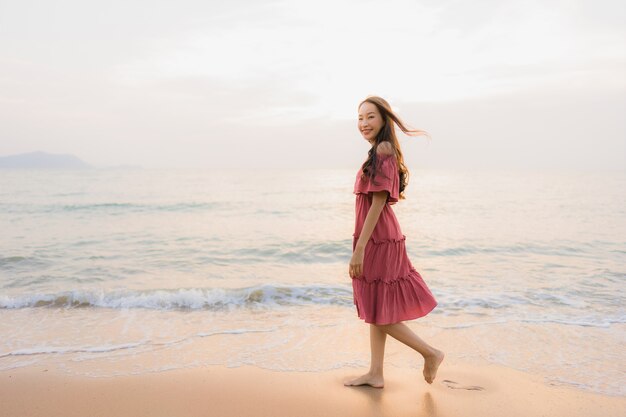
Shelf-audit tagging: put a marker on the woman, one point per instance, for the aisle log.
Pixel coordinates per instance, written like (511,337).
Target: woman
(387,288)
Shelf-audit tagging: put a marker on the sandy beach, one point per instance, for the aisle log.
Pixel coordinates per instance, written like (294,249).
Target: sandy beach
(459,390)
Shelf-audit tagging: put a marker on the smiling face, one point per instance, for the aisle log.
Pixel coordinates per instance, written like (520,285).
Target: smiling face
(370,121)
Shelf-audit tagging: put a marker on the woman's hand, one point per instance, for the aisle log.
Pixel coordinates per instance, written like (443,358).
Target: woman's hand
(356,263)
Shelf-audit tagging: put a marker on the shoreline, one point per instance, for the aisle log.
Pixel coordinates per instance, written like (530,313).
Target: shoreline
(458,390)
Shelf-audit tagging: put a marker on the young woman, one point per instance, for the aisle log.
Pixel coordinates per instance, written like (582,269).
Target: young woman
(387,288)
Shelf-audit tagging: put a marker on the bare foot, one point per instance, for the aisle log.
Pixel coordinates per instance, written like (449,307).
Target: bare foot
(431,363)
(375,381)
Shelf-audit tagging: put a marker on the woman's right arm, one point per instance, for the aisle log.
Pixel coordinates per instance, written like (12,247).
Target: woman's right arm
(379,198)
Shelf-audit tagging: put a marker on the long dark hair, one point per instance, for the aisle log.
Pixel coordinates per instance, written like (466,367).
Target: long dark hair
(388,134)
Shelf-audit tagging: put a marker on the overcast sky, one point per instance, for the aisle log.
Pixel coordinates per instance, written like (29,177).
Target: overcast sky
(529,84)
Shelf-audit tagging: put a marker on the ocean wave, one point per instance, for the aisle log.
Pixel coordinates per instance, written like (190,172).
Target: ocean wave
(112,207)
(258,296)
(513,249)
(12,262)
(601,322)
(287,252)
(7,260)
(50,349)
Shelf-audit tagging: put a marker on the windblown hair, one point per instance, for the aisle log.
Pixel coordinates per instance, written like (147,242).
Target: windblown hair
(387,134)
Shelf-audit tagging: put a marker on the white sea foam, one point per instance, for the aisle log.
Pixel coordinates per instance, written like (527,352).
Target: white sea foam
(68,349)
(39,350)
(192,298)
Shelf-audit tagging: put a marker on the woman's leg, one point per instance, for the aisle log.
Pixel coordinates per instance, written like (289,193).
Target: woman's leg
(377,347)
(432,357)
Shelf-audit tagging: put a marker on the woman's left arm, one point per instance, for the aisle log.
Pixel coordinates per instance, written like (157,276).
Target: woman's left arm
(379,198)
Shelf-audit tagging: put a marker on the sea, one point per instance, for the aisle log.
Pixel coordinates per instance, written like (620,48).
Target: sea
(110,272)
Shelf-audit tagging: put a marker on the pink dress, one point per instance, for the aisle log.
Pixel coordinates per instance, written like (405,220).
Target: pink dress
(389,290)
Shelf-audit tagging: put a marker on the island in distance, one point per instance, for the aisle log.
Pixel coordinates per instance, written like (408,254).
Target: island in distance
(42,160)
(45,160)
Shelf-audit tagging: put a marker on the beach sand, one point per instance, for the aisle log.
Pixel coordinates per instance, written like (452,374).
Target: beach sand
(458,390)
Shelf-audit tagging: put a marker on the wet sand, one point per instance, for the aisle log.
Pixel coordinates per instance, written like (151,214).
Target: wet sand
(458,390)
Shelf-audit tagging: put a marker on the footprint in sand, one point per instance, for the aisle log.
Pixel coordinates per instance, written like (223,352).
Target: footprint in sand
(455,385)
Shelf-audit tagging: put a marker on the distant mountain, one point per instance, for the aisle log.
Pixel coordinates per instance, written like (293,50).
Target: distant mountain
(42,160)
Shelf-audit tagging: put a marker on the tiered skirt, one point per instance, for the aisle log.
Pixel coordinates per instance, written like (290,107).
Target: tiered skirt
(390,289)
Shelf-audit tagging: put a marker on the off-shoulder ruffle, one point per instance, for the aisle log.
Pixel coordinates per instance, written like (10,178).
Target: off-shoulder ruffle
(387,179)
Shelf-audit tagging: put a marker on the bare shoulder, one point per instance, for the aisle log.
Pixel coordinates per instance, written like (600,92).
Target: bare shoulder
(385,148)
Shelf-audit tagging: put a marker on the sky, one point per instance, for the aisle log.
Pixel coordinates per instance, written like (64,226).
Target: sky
(266,84)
